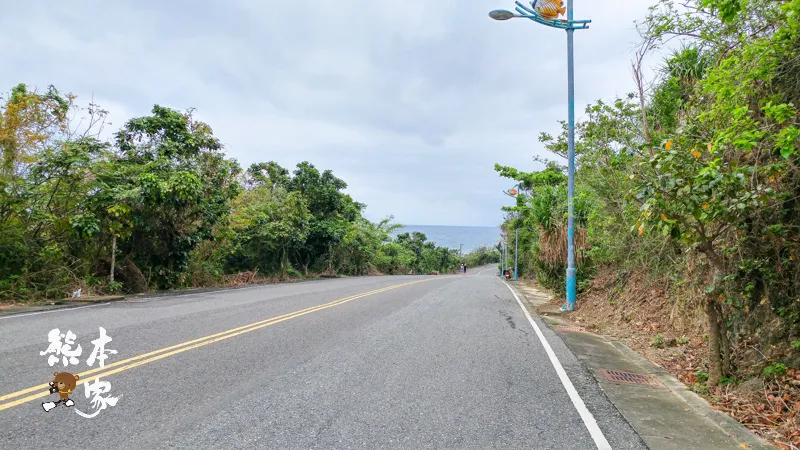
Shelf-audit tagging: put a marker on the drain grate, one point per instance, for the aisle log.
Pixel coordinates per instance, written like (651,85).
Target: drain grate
(571,328)
(617,376)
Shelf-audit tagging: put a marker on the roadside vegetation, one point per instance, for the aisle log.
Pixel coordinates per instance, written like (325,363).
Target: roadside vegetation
(688,207)
(160,206)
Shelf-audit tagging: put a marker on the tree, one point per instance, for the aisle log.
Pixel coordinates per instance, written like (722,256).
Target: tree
(47,174)
(179,184)
(719,172)
(267,226)
(29,123)
(332,211)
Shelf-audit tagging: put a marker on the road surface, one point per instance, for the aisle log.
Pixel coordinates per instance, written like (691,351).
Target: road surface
(368,362)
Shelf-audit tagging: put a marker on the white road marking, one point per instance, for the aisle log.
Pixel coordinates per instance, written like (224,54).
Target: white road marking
(577,401)
(66,308)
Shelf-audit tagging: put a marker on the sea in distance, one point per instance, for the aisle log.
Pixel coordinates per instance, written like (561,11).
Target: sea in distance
(472,238)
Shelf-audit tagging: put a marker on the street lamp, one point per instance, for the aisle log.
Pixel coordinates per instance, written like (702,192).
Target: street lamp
(513,193)
(501,14)
(547,12)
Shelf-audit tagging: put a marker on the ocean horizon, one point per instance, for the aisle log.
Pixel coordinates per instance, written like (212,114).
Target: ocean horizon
(468,237)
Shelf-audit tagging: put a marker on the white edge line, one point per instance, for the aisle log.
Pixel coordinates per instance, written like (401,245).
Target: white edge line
(66,308)
(577,401)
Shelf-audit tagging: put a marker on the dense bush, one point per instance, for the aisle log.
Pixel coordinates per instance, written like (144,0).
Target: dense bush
(481,257)
(703,169)
(161,206)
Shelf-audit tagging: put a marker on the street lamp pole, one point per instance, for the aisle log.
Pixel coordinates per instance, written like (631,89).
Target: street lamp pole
(513,193)
(516,251)
(503,264)
(546,14)
(572,272)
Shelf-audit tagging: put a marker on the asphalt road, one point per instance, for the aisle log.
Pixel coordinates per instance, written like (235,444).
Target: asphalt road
(436,362)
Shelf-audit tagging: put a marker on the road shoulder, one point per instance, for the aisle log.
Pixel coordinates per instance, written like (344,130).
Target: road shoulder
(664,412)
(19,309)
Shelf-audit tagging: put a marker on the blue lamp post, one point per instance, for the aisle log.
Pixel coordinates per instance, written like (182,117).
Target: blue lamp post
(513,193)
(503,255)
(547,12)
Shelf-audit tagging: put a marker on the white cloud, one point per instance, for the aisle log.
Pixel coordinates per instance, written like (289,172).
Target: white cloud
(410,102)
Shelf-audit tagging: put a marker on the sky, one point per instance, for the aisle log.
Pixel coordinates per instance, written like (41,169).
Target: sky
(410,102)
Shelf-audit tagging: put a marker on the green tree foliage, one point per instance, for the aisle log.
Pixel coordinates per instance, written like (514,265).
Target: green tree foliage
(46,183)
(482,256)
(170,173)
(161,206)
(266,226)
(714,177)
(332,211)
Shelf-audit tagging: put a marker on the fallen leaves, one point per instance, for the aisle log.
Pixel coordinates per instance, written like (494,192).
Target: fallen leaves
(774,412)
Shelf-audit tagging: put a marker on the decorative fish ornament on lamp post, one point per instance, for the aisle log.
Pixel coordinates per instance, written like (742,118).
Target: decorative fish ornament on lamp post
(549,9)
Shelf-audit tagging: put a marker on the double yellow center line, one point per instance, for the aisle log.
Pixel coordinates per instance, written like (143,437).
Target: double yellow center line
(146,358)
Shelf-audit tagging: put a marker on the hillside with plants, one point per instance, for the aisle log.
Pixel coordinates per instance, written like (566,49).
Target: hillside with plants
(160,206)
(688,207)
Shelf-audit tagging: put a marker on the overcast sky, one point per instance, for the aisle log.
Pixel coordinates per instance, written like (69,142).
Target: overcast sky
(411,102)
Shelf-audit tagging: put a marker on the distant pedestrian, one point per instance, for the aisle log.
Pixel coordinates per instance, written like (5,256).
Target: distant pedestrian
(465,268)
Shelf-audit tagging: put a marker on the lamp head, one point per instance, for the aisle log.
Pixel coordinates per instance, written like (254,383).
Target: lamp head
(501,14)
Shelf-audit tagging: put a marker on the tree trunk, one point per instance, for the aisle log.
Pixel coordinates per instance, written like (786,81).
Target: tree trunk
(727,364)
(284,257)
(329,256)
(113,257)
(716,327)
(714,338)
(639,79)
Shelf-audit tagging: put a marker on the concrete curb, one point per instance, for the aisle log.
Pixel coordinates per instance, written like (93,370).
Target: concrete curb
(549,310)
(26,310)
(56,305)
(696,403)
(93,299)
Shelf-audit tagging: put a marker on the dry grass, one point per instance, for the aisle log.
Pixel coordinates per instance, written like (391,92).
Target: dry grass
(241,278)
(553,242)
